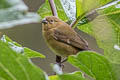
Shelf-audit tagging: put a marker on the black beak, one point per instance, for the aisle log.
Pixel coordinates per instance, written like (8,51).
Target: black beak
(44,21)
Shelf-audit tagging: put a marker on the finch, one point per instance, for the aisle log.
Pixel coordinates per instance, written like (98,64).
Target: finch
(61,38)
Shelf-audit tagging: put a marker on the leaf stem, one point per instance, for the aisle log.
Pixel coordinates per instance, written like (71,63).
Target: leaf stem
(74,23)
(53,7)
(93,14)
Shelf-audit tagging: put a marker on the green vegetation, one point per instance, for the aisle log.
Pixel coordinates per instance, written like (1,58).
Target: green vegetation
(91,16)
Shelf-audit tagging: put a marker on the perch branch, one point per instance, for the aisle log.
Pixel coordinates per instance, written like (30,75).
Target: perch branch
(53,7)
(54,13)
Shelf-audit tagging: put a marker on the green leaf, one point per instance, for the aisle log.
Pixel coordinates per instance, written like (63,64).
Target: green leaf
(15,12)
(93,4)
(94,65)
(15,66)
(106,29)
(54,77)
(2,78)
(72,76)
(19,49)
(45,10)
(76,8)
(8,40)
(32,54)
(116,69)
(88,5)
(79,8)
(85,12)
(68,76)
(4,4)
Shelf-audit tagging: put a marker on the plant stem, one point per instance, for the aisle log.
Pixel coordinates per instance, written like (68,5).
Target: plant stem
(93,14)
(53,7)
(74,23)
(54,13)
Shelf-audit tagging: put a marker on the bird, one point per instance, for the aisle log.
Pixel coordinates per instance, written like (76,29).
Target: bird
(61,38)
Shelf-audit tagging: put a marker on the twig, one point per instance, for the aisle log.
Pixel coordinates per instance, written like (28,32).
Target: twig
(85,18)
(53,7)
(93,14)
(74,23)
(54,13)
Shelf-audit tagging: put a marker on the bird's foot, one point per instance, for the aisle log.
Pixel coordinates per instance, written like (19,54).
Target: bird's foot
(64,60)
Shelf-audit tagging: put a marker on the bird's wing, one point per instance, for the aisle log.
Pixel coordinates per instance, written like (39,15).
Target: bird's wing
(69,36)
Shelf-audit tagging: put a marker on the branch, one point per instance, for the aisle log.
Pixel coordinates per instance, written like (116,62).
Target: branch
(85,18)
(53,7)
(74,23)
(54,13)
(91,15)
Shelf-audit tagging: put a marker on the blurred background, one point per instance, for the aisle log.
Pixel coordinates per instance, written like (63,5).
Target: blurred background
(30,36)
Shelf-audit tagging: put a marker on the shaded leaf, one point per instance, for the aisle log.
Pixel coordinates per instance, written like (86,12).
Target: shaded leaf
(32,54)
(93,64)
(72,76)
(68,76)
(4,4)
(19,49)
(45,10)
(106,29)
(15,66)
(15,12)
(85,12)
(89,5)
(116,69)
(76,8)
(7,40)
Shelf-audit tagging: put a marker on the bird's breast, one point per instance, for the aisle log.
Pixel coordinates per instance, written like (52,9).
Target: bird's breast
(60,48)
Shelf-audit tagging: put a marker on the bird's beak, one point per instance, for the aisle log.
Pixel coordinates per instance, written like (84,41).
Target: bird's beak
(44,21)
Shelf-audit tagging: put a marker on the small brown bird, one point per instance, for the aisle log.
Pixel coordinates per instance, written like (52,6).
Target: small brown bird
(61,38)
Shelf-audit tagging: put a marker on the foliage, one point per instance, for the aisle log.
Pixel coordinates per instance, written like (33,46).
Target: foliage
(69,76)
(45,10)
(105,28)
(19,49)
(94,65)
(15,61)
(14,66)
(15,12)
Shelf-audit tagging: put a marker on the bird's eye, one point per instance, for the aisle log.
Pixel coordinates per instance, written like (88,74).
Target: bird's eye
(51,21)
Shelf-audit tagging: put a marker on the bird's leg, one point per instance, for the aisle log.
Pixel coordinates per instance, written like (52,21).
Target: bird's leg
(59,61)
(64,60)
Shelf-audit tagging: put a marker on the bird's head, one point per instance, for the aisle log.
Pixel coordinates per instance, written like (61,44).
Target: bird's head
(50,22)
